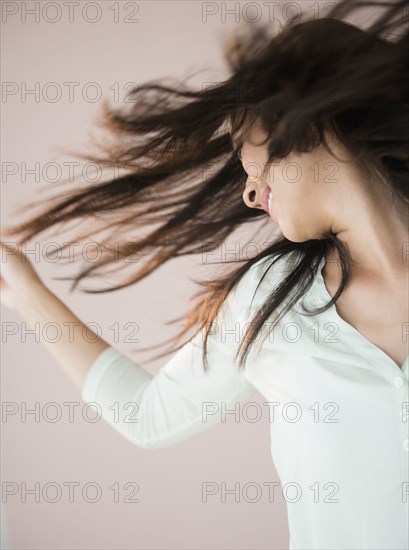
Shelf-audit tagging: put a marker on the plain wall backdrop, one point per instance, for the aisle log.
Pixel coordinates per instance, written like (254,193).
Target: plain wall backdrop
(104,46)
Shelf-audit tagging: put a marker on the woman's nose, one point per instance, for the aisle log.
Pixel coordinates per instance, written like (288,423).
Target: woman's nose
(252,194)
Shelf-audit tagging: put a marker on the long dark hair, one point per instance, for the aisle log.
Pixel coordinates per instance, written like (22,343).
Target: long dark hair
(170,134)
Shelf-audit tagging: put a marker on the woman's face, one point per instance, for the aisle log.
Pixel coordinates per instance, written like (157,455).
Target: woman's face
(304,186)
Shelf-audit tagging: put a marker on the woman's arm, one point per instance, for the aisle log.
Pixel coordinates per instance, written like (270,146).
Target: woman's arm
(23,291)
(180,401)
(78,346)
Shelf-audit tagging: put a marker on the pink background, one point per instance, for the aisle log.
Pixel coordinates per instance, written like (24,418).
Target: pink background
(171,39)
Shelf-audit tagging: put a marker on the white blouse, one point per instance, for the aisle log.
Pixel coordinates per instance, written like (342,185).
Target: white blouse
(338,411)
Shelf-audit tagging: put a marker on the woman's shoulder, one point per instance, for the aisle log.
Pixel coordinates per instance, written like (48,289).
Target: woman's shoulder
(262,277)
(272,266)
(276,263)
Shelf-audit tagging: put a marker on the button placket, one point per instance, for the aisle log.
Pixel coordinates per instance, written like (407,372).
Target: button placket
(401,393)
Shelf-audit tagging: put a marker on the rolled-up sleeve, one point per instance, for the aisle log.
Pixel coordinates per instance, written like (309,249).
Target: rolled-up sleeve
(182,399)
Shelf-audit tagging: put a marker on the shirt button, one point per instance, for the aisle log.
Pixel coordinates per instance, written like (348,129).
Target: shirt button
(399,382)
(406,444)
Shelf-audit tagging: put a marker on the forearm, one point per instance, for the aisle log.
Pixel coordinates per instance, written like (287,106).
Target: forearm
(77,346)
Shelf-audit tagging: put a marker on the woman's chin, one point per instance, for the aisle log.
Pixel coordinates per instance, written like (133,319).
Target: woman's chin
(294,234)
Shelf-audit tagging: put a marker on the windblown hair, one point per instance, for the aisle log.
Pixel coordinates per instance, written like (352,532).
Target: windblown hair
(313,76)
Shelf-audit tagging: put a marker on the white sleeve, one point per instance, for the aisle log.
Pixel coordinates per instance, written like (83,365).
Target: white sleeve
(181,400)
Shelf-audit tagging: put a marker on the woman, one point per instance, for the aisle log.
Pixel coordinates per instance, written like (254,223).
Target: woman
(314,124)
